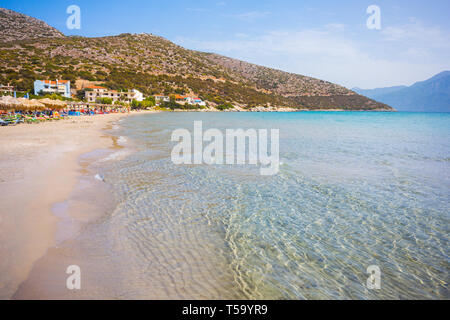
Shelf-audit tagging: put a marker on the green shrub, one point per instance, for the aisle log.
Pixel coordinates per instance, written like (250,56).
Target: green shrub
(225,106)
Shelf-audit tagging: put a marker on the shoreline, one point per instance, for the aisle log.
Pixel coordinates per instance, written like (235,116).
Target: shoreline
(80,220)
(271,110)
(40,167)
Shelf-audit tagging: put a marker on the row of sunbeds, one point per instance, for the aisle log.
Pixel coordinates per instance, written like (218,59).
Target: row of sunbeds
(14,119)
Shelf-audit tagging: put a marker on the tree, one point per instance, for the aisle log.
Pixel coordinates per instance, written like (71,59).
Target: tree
(225,106)
(104,100)
(151,99)
(135,104)
(147,104)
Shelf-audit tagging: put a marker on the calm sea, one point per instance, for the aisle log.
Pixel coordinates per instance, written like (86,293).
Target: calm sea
(355,189)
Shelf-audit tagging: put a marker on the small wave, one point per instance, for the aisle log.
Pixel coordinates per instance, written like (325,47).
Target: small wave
(116,156)
(122,140)
(100,177)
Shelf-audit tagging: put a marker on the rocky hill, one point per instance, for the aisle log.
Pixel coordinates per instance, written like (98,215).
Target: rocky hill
(17,26)
(155,65)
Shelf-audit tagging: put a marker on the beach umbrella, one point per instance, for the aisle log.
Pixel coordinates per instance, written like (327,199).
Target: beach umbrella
(31,105)
(53,104)
(10,103)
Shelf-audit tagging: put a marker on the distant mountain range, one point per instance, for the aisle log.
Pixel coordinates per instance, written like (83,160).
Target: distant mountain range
(30,49)
(432,95)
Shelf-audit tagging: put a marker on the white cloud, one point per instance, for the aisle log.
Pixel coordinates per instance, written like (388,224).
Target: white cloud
(415,33)
(329,53)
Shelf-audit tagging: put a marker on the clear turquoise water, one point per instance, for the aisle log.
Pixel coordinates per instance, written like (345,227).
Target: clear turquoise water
(354,190)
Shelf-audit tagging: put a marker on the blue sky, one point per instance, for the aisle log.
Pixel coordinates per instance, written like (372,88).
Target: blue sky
(324,39)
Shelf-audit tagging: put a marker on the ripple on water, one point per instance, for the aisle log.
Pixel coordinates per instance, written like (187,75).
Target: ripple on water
(354,190)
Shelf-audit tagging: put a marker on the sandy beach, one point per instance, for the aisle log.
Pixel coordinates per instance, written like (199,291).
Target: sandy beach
(39,166)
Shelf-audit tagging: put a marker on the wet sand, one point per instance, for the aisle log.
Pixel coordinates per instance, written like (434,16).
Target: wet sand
(39,168)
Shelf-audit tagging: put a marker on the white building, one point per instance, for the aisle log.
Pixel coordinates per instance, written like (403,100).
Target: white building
(139,96)
(161,98)
(194,101)
(61,87)
(93,93)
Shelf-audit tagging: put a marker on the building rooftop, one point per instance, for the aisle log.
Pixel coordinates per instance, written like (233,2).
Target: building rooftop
(54,82)
(95,87)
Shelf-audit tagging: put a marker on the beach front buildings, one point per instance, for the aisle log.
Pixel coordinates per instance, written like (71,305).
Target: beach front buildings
(161,98)
(180,99)
(94,93)
(194,101)
(188,99)
(61,87)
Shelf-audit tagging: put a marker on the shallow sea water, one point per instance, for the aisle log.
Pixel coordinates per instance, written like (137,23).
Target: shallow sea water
(353,190)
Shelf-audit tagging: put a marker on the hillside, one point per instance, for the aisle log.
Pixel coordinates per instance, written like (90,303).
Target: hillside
(17,26)
(154,65)
(432,95)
